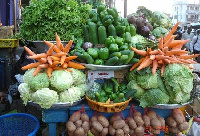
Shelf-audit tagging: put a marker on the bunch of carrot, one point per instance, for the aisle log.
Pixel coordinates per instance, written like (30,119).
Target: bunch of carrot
(169,51)
(54,59)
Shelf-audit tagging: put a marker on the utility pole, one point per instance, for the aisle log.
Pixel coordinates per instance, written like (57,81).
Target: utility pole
(125,8)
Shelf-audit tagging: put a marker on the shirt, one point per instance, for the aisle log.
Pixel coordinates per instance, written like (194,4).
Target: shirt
(195,43)
(186,36)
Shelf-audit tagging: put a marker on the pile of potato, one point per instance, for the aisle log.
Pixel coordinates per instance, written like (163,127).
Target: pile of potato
(78,124)
(177,122)
(99,125)
(118,126)
(136,124)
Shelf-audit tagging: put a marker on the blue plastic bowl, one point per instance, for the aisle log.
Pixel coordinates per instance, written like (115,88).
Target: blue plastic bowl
(18,124)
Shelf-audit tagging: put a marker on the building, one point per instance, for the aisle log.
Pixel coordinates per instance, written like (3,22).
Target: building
(185,12)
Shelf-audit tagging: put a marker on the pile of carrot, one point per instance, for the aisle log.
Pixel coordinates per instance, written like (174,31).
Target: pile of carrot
(54,59)
(169,51)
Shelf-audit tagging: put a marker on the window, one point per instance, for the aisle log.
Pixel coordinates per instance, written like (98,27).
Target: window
(186,16)
(188,8)
(191,8)
(197,8)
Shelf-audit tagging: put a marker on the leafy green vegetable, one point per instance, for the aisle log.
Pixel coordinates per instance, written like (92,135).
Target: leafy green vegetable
(178,81)
(28,75)
(78,76)
(152,97)
(159,31)
(24,90)
(83,88)
(139,91)
(131,75)
(42,18)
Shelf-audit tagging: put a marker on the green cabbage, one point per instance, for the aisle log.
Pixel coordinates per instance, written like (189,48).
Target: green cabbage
(45,97)
(139,91)
(152,97)
(24,91)
(131,75)
(159,31)
(71,95)
(83,88)
(78,76)
(28,75)
(178,80)
(61,80)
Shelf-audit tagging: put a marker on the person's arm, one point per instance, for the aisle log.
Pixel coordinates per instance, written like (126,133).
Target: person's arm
(192,42)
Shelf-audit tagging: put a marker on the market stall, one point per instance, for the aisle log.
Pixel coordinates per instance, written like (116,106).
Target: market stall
(114,75)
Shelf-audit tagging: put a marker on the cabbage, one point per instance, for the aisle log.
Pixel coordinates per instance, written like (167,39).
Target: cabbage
(24,91)
(45,97)
(159,31)
(28,75)
(152,97)
(78,76)
(41,80)
(131,75)
(83,88)
(71,95)
(139,91)
(147,81)
(61,80)
(178,80)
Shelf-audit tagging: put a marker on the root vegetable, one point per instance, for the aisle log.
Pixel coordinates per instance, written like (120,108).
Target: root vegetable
(70,126)
(171,122)
(162,121)
(127,119)
(177,117)
(114,117)
(86,126)
(111,130)
(103,121)
(97,126)
(139,131)
(119,132)
(78,123)
(137,113)
(93,118)
(104,132)
(118,124)
(84,117)
(183,126)
(155,131)
(151,114)
(75,116)
(126,129)
(132,124)
(138,120)
(174,130)
(146,120)
(131,132)
(79,132)
(155,123)
(94,132)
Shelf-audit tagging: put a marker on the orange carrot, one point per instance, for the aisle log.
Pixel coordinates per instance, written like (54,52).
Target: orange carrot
(62,60)
(65,65)
(192,61)
(67,47)
(37,70)
(49,71)
(155,52)
(162,70)
(165,49)
(48,43)
(29,51)
(61,47)
(43,60)
(145,64)
(137,64)
(161,62)
(148,50)
(56,49)
(59,54)
(58,41)
(160,52)
(152,57)
(44,65)
(174,43)
(57,68)
(38,56)
(161,57)
(75,65)
(160,44)
(140,52)
(167,37)
(70,58)
(167,61)
(175,52)
(50,51)
(49,60)
(31,65)
(168,43)
(55,58)
(55,63)
(69,70)
(155,66)
(186,56)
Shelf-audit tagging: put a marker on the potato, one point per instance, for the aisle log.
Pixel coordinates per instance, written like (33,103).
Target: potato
(137,113)
(84,117)
(139,131)
(174,130)
(93,118)
(94,132)
(131,133)
(70,133)
(183,126)
(171,122)
(155,131)
(132,124)
(138,120)
(151,114)
(178,118)
(85,126)
(155,123)
(70,126)
(78,123)
(118,124)
(127,119)
(119,132)
(126,129)
(75,116)
(103,121)
(79,132)
(114,117)
(97,126)
(146,120)
(162,121)
(111,130)
(104,132)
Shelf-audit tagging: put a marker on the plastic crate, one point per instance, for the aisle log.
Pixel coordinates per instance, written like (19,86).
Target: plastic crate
(9,43)
(6,32)
(18,124)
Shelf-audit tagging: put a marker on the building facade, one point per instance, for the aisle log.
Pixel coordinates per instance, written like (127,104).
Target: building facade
(185,12)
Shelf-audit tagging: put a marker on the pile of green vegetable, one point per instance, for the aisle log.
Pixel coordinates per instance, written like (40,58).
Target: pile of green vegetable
(173,87)
(63,86)
(110,89)
(43,18)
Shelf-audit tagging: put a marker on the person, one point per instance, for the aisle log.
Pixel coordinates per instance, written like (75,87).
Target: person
(184,29)
(195,43)
(188,35)
(178,34)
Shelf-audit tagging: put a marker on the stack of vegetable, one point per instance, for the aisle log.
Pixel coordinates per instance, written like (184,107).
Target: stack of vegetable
(110,90)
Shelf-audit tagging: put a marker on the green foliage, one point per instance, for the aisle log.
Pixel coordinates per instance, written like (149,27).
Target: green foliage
(41,19)
(139,91)
(159,31)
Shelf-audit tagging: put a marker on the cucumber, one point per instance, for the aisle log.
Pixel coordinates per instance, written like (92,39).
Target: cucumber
(130,56)
(122,60)
(112,31)
(112,61)
(86,33)
(118,54)
(102,34)
(88,58)
(134,60)
(80,57)
(125,52)
(93,33)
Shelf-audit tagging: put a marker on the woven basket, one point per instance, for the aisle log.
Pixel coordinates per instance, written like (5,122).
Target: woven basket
(107,107)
